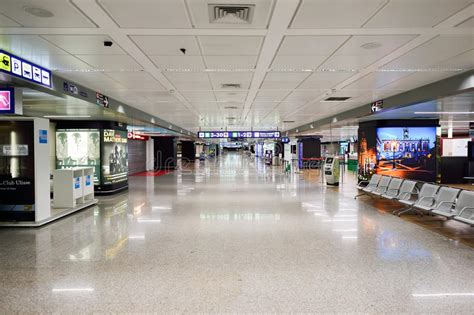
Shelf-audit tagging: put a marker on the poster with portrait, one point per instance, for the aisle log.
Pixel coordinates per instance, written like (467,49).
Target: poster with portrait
(78,148)
(114,157)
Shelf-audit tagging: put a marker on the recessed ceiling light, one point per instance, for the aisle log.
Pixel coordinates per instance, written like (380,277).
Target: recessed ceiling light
(371,45)
(37,11)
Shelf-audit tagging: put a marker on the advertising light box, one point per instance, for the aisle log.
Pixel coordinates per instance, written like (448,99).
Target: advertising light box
(78,148)
(7,101)
(114,156)
(407,152)
(239,134)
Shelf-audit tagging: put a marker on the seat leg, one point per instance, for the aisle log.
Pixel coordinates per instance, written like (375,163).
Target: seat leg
(361,194)
(398,210)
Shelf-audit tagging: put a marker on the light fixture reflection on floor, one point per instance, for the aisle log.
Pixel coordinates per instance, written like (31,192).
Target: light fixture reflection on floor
(339,220)
(349,237)
(442,294)
(136,237)
(148,220)
(73,290)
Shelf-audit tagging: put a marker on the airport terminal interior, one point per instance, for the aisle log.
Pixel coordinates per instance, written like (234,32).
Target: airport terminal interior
(236,156)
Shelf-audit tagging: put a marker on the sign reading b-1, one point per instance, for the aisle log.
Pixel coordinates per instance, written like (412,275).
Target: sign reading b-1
(239,134)
(26,70)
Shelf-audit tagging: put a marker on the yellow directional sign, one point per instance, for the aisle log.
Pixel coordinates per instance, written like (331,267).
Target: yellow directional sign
(5,63)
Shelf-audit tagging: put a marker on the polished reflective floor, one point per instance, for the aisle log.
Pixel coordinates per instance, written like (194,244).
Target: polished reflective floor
(233,235)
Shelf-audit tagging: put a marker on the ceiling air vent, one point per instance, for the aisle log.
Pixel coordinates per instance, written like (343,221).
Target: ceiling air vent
(231,107)
(336,99)
(231,13)
(230,85)
(288,121)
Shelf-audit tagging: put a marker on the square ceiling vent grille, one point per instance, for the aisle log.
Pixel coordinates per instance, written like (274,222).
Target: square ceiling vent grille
(231,13)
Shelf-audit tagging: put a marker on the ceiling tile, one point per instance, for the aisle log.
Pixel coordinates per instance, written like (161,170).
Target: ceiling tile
(310,45)
(415,13)
(178,62)
(198,96)
(375,80)
(23,45)
(231,96)
(304,95)
(147,13)
(167,45)
(355,62)
(111,62)
(58,62)
(335,14)
(230,45)
(433,52)
(7,22)
(84,44)
(297,62)
(325,80)
(136,80)
(231,62)
(468,23)
(65,14)
(271,95)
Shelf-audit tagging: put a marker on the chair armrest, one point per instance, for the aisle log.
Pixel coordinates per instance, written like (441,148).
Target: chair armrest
(425,197)
(465,208)
(443,202)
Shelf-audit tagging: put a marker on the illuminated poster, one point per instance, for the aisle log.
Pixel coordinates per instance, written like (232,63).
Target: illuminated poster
(17,172)
(367,157)
(114,156)
(78,148)
(407,152)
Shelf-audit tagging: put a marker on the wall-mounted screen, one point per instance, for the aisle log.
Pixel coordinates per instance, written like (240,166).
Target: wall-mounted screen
(78,148)
(455,147)
(407,152)
(114,157)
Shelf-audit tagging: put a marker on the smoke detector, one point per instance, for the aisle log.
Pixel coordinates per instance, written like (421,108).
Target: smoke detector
(231,13)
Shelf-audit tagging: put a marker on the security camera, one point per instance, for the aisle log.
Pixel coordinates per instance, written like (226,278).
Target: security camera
(108,43)
(183,50)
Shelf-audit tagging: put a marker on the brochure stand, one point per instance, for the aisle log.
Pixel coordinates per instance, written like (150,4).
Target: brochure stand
(73,187)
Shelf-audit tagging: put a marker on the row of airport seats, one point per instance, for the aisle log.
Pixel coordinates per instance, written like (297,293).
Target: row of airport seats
(451,203)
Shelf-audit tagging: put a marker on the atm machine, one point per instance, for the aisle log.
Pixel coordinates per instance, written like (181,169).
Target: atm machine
(331,170)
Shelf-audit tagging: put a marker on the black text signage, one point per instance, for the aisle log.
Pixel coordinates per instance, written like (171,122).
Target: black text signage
(376,106)
(26,70)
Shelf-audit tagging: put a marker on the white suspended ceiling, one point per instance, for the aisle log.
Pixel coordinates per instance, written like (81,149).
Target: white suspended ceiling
(280,65)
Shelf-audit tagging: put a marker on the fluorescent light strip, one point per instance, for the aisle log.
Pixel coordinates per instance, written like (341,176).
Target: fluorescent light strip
(444,113)
(67,116)
(74,290)
(441,294)
(161,208)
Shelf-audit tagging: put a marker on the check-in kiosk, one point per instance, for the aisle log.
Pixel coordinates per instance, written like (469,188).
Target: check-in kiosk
(331,170)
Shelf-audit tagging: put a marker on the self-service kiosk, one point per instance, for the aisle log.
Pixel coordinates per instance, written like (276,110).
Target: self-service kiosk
(331,170)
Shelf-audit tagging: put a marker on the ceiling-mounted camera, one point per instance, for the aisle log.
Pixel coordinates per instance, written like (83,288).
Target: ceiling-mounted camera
(108,43)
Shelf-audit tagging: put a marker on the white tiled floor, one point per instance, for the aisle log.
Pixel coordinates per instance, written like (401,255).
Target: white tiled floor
(233,236)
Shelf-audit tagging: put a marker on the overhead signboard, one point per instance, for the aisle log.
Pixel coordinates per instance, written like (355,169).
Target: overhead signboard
(102,100)
(239,134)
(376,106)
(26,70)
(136,136)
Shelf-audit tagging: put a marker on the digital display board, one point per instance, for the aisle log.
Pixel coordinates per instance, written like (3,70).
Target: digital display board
(239,134)
(21,68)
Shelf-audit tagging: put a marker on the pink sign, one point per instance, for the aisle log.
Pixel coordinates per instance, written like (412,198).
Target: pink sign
(5,101)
